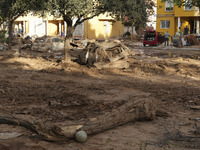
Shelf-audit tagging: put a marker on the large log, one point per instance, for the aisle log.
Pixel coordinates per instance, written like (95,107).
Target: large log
(47,133)
(133,110)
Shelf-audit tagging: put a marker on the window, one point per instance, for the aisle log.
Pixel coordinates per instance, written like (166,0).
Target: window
(164,24)
(57,40)
(169,5)
(188,5)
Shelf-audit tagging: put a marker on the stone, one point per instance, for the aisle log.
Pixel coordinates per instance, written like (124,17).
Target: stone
(81,136)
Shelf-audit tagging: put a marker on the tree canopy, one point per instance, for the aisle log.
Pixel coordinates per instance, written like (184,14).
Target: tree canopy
(1,19)
(10,10)
(80,9)
(188,3)
(135,12)
(131,12)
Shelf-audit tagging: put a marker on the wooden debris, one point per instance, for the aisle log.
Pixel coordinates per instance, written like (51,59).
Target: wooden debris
(162,113)
(195,107)
(17,41)
(133,110)
(192,39)
(2,91)
(47,133)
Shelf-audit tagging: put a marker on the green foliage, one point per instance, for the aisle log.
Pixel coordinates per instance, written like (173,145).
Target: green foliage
(3,39)
(131,12)
(1,19)
(2,34)
(188,3)
(80,9)
(10,10)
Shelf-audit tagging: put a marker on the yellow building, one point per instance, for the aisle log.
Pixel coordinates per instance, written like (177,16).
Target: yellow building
(103,26)
(97,28)
(170,18)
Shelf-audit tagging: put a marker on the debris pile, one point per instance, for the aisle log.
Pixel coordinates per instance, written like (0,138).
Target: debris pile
(105,55)
(3,46)
(27,40)
(17,41)
(192,40)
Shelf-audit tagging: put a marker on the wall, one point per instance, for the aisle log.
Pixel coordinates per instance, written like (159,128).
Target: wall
(180,12)
(161,9)
(102,27)
(27,27)
(171,30)
(52,28)
(187,18)
(97,28)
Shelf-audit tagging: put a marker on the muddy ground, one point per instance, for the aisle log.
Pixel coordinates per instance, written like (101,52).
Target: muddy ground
(33,85)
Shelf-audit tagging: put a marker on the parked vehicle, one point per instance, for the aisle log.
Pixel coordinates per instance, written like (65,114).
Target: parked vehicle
(44,44)
(151,37)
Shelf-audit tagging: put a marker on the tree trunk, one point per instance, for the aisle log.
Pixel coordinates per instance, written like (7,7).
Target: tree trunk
(10,29)
(132,33)
(45,132)
(67,49)
(133,110)
(69,36)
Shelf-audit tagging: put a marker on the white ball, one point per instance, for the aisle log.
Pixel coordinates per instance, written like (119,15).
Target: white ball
(81,136)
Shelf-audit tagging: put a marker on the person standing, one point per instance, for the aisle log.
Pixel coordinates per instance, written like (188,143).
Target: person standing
(186,30)
(167,35)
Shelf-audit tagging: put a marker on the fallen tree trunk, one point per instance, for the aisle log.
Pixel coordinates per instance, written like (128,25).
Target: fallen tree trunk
(133,110)
(143,109)
(46,133)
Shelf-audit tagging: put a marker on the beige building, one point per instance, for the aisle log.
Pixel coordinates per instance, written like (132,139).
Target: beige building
(96,28)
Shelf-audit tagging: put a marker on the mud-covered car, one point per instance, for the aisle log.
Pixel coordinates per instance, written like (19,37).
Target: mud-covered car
(44,44)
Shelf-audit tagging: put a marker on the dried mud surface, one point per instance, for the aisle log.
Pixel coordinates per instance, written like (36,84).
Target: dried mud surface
(34,86)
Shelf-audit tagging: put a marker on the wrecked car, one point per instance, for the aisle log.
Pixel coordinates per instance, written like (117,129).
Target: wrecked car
(3,47)
(105,55)
(44,44)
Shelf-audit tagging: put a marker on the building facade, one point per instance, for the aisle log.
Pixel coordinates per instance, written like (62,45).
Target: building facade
(97,28)
(171,18)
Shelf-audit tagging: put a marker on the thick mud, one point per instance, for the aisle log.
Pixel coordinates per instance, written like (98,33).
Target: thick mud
(33,86)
